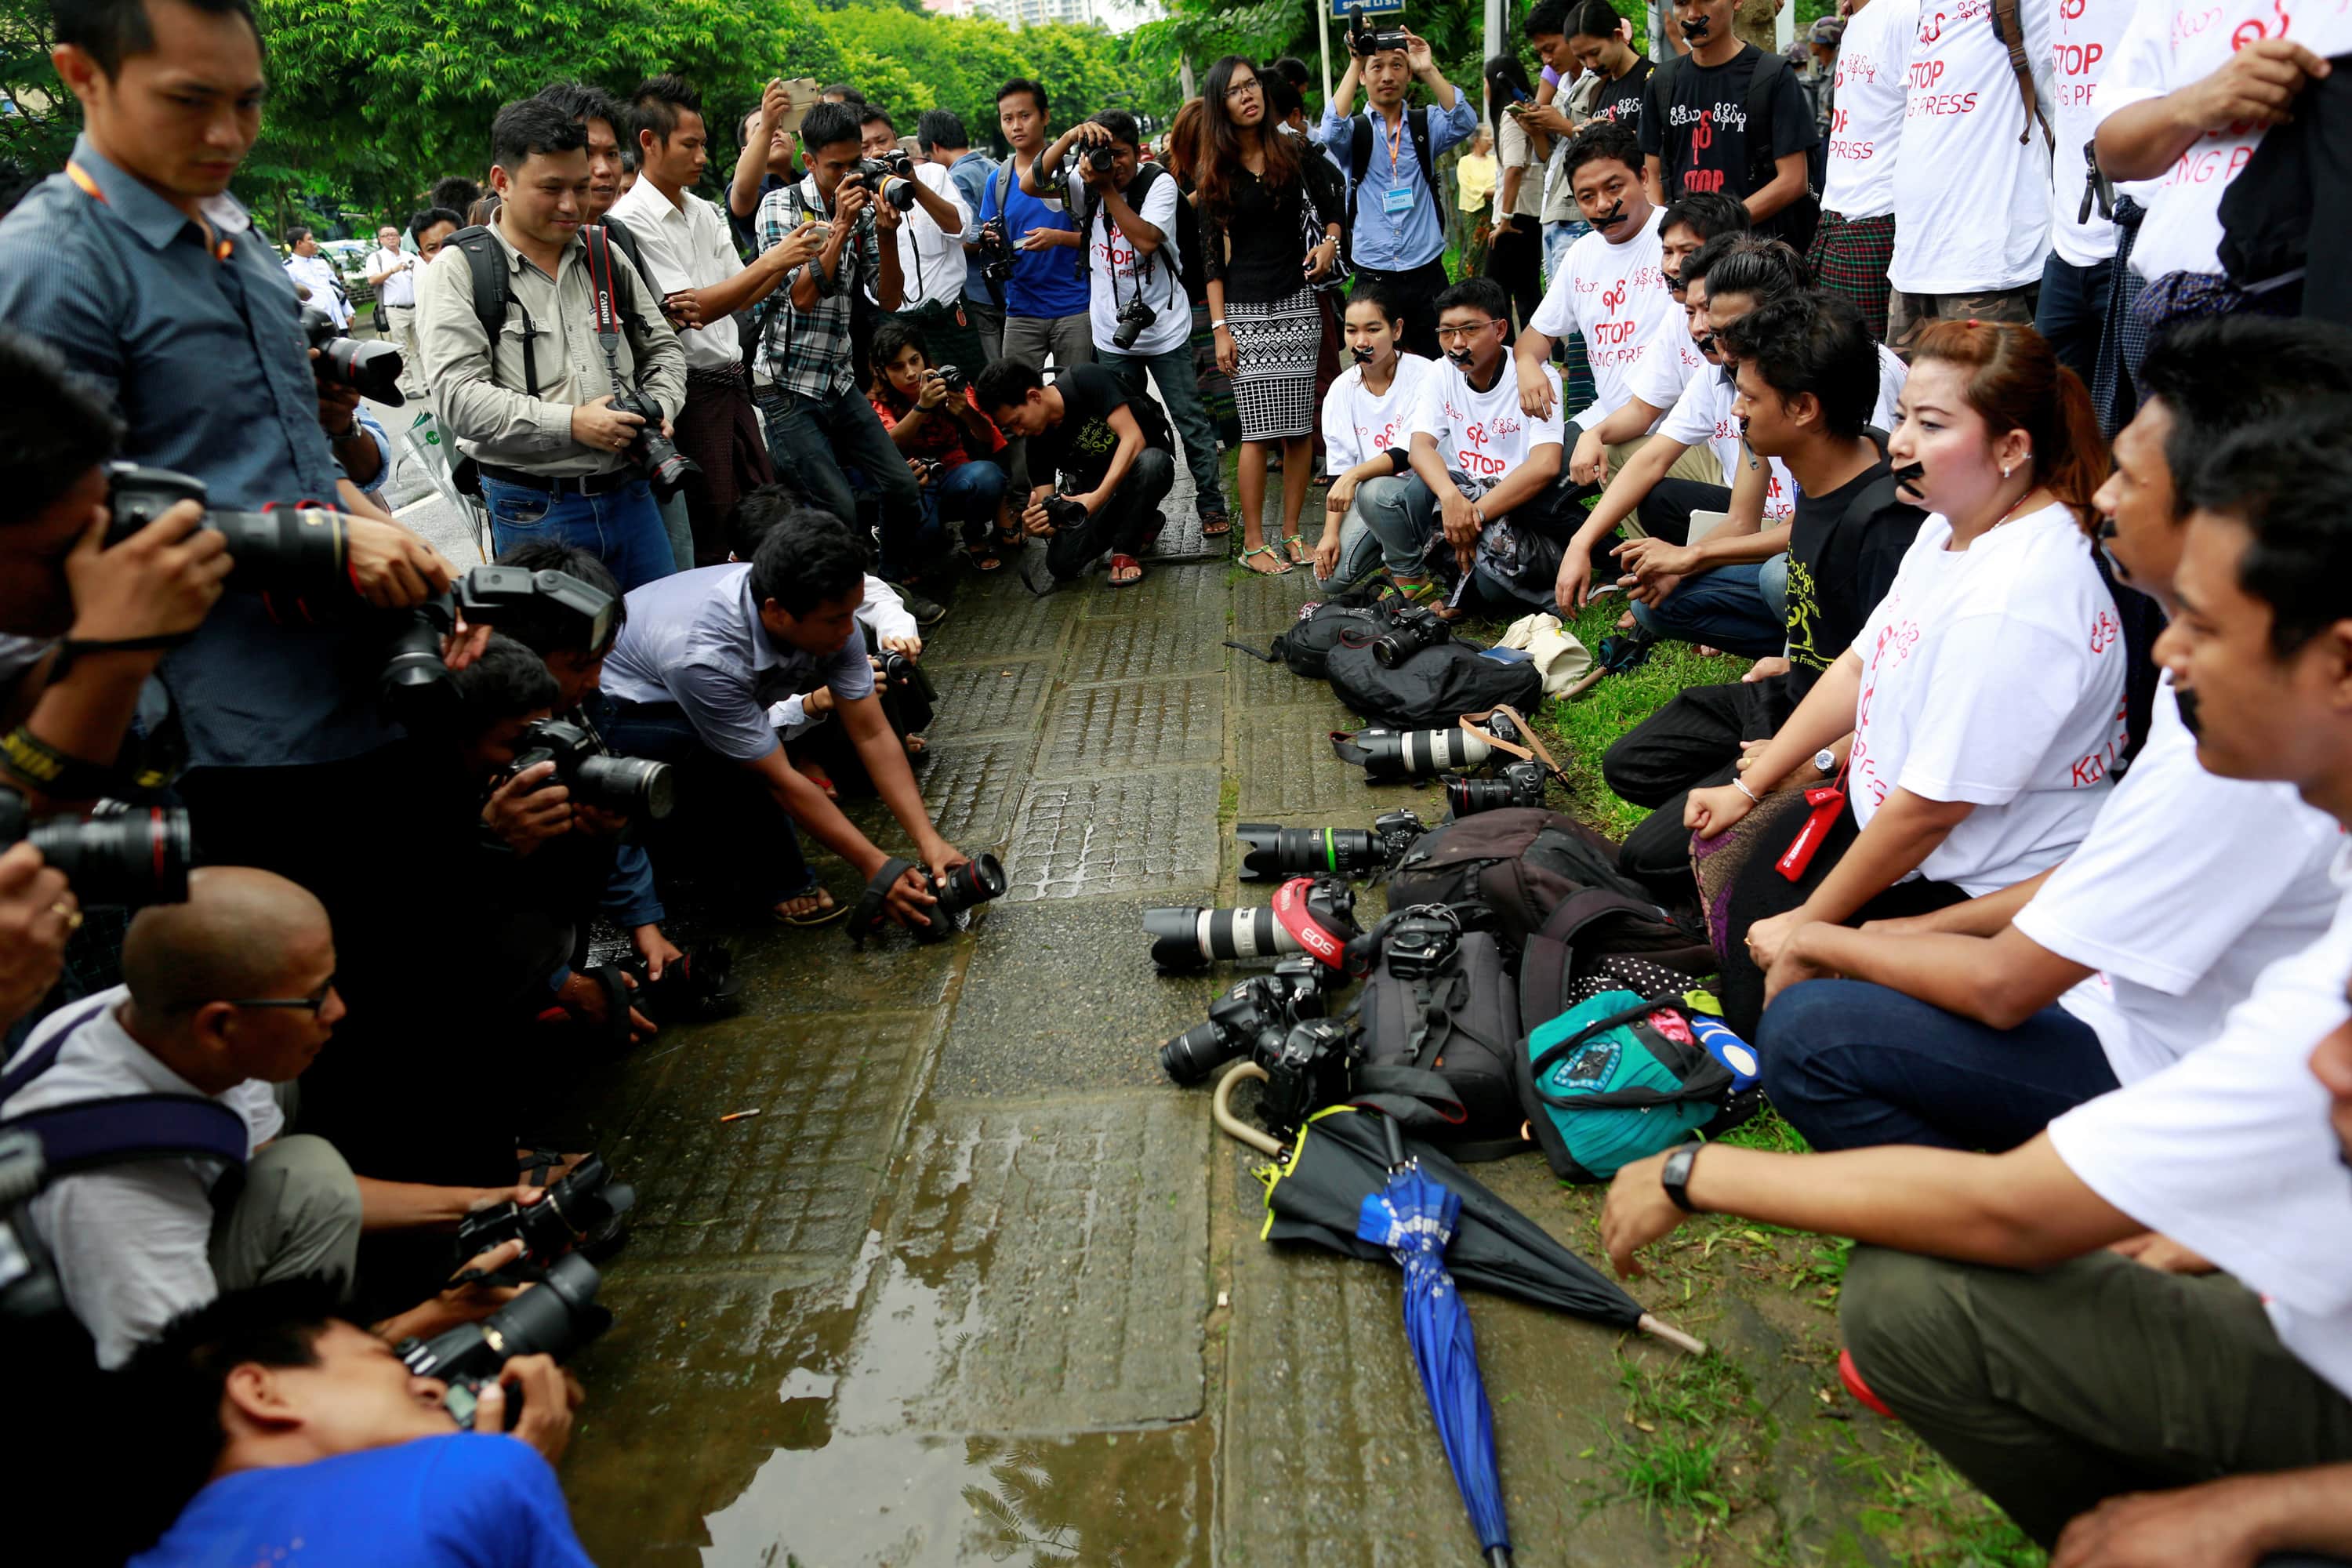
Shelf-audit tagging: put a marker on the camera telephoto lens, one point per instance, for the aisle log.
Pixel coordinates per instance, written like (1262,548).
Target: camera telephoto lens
(1521,784)
(1191,1056)
(128,858)
(371,368)
(1273,853)
(976,881)
(1189,938)
(633,786)
(556,1317)
(415,687)
(1390,754)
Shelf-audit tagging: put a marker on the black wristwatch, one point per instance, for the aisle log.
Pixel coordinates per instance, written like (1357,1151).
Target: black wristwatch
(1675,1177)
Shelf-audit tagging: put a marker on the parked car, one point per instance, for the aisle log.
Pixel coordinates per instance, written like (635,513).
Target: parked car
(350,256)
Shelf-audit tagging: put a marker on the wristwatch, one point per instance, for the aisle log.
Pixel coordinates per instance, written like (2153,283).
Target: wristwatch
(1825,762)
(1675,1177)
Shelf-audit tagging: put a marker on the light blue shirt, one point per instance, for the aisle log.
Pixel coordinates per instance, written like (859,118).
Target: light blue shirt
(1397,235)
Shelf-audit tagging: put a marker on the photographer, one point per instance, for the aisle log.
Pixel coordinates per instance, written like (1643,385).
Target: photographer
(273,1419)
(1142,320)
(818,422)
(228,996)
(392,273)
(767,159)
(314,272)
(949,443)
(930,240)
(559,437)
(944,141)
(1114,446)
(1045,303)
(685,681)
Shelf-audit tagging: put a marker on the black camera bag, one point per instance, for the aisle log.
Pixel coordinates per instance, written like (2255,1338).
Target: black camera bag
(1433,688)
(1440,1051)
(1526,865)
(1358,616)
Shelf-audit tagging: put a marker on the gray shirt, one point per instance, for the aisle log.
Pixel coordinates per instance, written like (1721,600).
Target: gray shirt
(694,638)
(196,344)
(484,396)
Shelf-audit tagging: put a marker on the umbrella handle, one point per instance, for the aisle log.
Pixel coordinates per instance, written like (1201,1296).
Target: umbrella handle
(1221,1109)
(1672,1335)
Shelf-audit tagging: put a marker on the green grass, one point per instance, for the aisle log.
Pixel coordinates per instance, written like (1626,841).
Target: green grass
(1932,1517)
(1579,732)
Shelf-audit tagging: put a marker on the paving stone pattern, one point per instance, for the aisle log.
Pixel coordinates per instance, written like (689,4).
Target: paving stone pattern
(978,1284)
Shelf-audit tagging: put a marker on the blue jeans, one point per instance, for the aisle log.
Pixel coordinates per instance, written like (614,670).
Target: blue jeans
(815,438)
(962,498)
(1402,515)
(1360,550)
(1557,238)
(623,529)
(1736,608)
(1853,1065)
(748,841)
(2073,311)
(1179,389)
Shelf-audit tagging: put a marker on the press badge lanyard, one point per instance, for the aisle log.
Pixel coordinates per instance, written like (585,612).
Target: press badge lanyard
(1397,200)
(220,249)
(600,295)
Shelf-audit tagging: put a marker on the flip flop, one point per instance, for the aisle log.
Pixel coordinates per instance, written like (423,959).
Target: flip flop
(1294,545)
(983,557)
(826,915)
(1119,563)
(1215,525)
(1270,552)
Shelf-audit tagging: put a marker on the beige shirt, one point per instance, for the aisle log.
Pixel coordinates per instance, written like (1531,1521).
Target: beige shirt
(686,247)
(1515,149)
(480,392)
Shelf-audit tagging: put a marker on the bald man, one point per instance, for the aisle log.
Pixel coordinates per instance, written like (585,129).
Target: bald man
(227,997)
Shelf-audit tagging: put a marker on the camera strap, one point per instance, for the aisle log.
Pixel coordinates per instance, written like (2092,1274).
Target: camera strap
(604,306)
(1471,722)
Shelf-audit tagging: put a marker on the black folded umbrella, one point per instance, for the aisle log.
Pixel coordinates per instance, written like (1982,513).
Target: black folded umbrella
(1315,1196)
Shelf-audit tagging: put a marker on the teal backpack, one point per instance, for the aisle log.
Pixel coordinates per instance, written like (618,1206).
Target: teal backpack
(1617,1079)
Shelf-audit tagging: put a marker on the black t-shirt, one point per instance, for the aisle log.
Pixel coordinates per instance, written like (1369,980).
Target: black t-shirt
(1082,444)
(1622,100)
(1694,119)
(1844,551)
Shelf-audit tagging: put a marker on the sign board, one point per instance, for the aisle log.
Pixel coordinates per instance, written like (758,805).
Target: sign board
(1371,8)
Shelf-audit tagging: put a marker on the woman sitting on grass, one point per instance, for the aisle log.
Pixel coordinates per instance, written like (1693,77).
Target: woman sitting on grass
(1984,695)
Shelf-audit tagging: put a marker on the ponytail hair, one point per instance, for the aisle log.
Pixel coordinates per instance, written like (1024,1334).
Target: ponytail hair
(2015,383)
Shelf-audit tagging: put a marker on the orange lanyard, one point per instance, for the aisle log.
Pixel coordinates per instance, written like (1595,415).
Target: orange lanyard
(80,176)
(1396,142)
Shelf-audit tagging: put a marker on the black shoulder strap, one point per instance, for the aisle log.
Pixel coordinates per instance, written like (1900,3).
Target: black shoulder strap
(1359,161)
(1761,83)
(1419,120)
(88,1134)
(628,242)
(2010,30)
(490,273)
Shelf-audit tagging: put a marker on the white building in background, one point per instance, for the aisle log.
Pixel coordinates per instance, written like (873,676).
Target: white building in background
(1119,15)
(954,8)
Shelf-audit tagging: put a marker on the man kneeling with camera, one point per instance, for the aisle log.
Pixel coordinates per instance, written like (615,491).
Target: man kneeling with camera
(277,1425)
(1110,450)
(229,998)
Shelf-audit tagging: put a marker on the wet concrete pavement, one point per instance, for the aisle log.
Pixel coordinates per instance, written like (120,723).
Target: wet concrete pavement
(978,1285)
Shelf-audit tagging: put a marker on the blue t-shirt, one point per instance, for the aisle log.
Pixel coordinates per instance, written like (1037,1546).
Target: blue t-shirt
(1044,282)
(467,1501)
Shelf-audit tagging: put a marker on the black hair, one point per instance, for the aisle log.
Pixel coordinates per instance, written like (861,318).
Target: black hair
(940,128)
(530,126)
(1591,19)
(584,103)
(828,124)
(2215,373)
(178,1380)
(757,510)
(1743,263)
(1007,383)
(1811,340)
(658,102)
(872,113)
(1547,17)
(455,193)
(112,31)
(296,234)
(631,159)
(1122,126)
(892,334)
(424,218)
(1380,294)
(2288,478)
(1600,140)
(1505,77)
(1282,96)
(805,558)
(1036,90)
(544,628)
(505,681)
(1482,292)
(843,90)
(1292,70)
(54,427)
(1707,215)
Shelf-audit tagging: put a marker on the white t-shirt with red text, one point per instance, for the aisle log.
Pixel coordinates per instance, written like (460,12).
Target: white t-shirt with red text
(1701,416)
(2169,45)
(1356,423)
(1993,675)
(1484,434)
(1874,61)
(1616,297)
(2082,53)
(1971,199)
(1660,378)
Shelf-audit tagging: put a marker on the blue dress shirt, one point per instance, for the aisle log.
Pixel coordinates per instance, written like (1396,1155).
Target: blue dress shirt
(1397,241)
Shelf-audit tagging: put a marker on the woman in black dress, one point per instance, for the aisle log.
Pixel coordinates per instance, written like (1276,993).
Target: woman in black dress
(1272,209)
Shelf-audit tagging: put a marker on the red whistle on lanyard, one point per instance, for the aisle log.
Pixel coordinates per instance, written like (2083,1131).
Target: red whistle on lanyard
(1827,800)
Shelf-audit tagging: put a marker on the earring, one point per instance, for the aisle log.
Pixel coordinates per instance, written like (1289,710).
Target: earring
(2004,471)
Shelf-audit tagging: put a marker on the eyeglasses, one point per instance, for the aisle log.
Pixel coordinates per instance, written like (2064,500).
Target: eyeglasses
(314,1004)
(1464,334)
(1242,88)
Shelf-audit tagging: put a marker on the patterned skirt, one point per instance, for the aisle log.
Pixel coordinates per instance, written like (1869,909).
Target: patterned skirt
(1273,376)
(1852,256)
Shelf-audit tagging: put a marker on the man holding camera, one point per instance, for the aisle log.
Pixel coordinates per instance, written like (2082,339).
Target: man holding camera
(941,135)
(226,998)
(391,272)
(1396,237)
(558,387)
(1142,319)
(272,1420)
(818,421)
(1044,300)
(931,242)
(1109,449)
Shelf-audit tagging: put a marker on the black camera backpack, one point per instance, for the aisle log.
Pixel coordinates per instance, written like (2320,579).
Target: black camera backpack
(1441,1050)
(1358,616)
(1433,688)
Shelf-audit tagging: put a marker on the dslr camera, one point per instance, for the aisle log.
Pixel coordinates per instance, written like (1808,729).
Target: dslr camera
(1271,852)
(1413,630)
(954,378)
(294,556)
(1100,159)
(878,174)
(414,684)
(1515,784)
(372,370)
(118,855)
(555,1317)
(654,455)
(1311,1066)
(1134,319)
(1363,40)
(587,1210)
(996,252)
(1263,1002)
(633,786)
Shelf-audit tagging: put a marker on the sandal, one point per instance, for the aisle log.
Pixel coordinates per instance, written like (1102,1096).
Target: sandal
(544,1167)
(1125,571)
(1271,552)
(983,557)
(1014,538)
(1295,543)
(1215,525)
(826,913)
(916,744)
